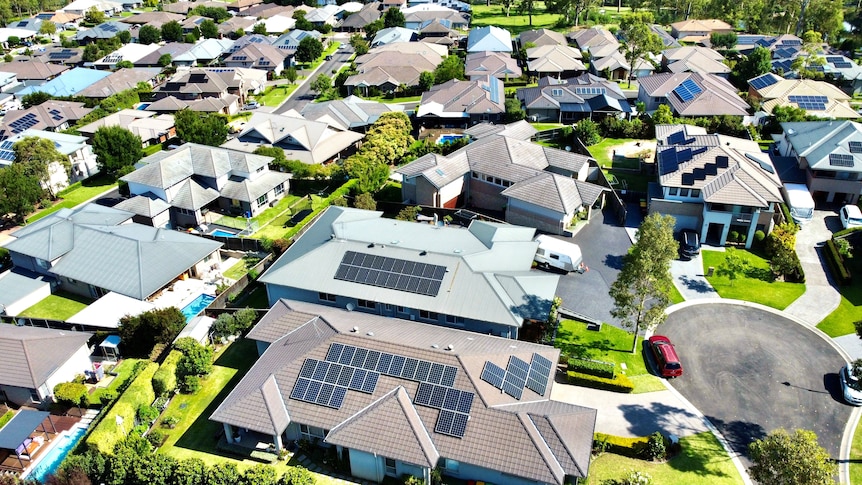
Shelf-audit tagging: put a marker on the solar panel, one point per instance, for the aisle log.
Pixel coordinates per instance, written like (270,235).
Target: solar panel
(408,276)
(687,90)
(435,374)
(465,402)
(370,383)
(513,389)
(337,398)
(325,394)
(842,65)
(358,379)
(397,367)
(808,99)
(493,374)
(438,395)
(444,422)
(346,376)
(840,160)
(321,370)
(834,59)
(334,352)
(676,138)
(422,371)
(371,360)
(313,391)
(299,389)
(333,373)
(855,146)
(451,400)
(359,357)
(308,368)
(384,363)
(423,395)
(763,81)
(449,374)
(668,162)
(518,367)
(791,42)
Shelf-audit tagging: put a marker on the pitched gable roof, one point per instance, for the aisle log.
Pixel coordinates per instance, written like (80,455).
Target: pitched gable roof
(489,38)
(556,192)
(815,142)
(30,355)
(716,96)
(779,93)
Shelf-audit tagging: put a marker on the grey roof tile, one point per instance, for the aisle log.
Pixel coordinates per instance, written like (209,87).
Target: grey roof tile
(30,355)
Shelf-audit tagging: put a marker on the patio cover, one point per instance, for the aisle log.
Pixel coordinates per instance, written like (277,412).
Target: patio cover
(110,342)
(107,311)
(20,427)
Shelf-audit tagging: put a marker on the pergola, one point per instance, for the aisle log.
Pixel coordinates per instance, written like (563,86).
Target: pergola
(15,436)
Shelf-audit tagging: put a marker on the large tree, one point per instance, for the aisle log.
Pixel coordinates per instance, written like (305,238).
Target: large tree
(209,29)
(19,191)
(40,155)
(172,31)
(782,458)
(756,63)
(571,10)
(452,67)
(140,333)
(203,128)
(116,148)
(638,39)
(393,18)
(148,34)
(641,292)
(308,49)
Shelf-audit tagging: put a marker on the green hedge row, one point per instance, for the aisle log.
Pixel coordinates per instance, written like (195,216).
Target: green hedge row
(630,447)
(140,392)
(165,379)
(836,264)
(844,232)
(620,383)
(787,217)
(592,367)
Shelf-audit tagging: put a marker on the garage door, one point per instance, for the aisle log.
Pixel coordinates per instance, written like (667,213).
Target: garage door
(686,222)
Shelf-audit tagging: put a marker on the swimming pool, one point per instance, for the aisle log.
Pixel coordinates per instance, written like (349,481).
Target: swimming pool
(144,106)
(219,232)
(197,305)
(50,462)
(449,138)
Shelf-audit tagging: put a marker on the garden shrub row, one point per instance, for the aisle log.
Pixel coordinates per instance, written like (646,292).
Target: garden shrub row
(592,367)
(836,264)
(620,383)
(140,392)
(630,447)
(844,232)
(165,379)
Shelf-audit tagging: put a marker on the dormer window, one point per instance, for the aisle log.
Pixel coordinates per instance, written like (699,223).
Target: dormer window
(556,92)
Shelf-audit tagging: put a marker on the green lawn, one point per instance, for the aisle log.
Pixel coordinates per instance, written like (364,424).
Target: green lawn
(840,321)
(599,151)
(59,306)
(123,371)
(386,99)
(236,271)
(756,285)
(271,215)
(484,15)
(276,228)
(6,418)
(256,299)
(275,95)
(547,126)
(152,149)
(675,296)
(856,456)
(76,194)
(610,344)
(702,461)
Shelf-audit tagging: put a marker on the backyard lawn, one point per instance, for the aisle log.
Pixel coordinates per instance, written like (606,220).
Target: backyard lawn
(484,15)
(76,194)
(59,306)
(702,461)
(275,95)
(279,228)
(281,209)
(756,285)
(610,344)
(123,371)
(599,151)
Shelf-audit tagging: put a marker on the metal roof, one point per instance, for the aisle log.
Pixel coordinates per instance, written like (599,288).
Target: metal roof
(20,427)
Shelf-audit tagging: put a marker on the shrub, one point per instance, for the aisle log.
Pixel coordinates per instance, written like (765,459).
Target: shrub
(147,414)
(191,384)
(592,367)
(297,475)
(759,236)
(72,394)
(170,422)
(742,238)
(165,379)
(108,396)
(656,448)
(620,383)
(630,447)
(140,391)
(836,264)
(733,236)
(244,317)
(156,437)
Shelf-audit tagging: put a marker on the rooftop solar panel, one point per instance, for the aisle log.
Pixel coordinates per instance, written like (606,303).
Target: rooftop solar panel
(840,160)
(408,276)
(855,146)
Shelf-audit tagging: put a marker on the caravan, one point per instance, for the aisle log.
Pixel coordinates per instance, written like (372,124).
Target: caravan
(800,202)
(554,253)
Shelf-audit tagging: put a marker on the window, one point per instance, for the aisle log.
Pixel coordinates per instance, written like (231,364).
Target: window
(311,432)
(34,396)
(260,169)
(400,309)
(556,92)
(390,466)
(279,189)
(388,307)
(474,175)
(695,193)
(426,315)
(683,192)
(42,264)
(451,466)
(325,296)
(673,191)
(454,319)
(367,304)
(261,201)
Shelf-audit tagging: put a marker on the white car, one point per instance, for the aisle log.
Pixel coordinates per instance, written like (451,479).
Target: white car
(851,216)
(850,385)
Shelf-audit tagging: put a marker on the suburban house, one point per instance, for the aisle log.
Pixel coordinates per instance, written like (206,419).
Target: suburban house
(592,37)
(694,59)
(457,103)
(392,35)
(428,273)
(666,39)
(498,64)
(208,89)
(153,128)
(107,30)
(203,53)
(818,98)
(357,21)
(121,80)
(691,94)
(242,5)
(310,142)
(234,24)
(278,24)
(614,66)
(573,99)
(503,171)
(62,56)
(828,152)
(133,260)
(36,359)
(81,7)
(560,61)
(540,37)
(350,113)
(33,70)
(172,49)
(489,38)
(259,56)
(417,16)
(80,156)
(129,52)
(714,184)
(389,66)
(406,398)
(193,179)
(289,41)
(51,115)
(745,43)
(695,30)
(438,31)
(154,19)
(69,83)
(846,71)
(325,15)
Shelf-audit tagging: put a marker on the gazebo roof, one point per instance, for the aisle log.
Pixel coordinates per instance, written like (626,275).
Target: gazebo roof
(20,427)
(110,342)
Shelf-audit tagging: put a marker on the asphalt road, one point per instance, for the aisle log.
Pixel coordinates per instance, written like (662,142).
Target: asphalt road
(603,243)
(303,94)
(750,372)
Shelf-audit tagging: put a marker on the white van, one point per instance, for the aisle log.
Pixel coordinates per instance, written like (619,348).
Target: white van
(554,253)
(800,202)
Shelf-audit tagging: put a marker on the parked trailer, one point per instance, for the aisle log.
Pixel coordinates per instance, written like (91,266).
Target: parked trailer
(800,202)
(554,253)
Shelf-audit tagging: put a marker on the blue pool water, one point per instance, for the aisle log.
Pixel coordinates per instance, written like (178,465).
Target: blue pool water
(448,138)
(219,232)
(52,460)
(197,305)
(144,106)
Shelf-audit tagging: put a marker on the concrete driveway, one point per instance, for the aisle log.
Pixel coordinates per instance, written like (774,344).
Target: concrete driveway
(751,371)
(603,243)
(689,279)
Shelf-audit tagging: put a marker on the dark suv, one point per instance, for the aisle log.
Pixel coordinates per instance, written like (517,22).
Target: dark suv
(689,243)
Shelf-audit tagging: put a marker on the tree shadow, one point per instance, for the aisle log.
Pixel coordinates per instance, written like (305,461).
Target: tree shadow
(699,285)
(614,261)
(763,274)
(647,419)
(739,434)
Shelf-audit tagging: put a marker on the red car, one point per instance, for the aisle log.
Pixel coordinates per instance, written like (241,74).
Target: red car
(665,356)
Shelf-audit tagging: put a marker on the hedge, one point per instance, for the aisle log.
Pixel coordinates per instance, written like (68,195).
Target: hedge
(140,391)
(844,232)
(620,383)
(631,447)
(836,264)
(165,379)
(787,217)
(592,367)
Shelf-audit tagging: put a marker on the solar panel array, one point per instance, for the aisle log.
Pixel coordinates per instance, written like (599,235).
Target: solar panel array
(519,374)
(391,273)
(62,55)
(855,146)
(832,59)
(239,58)
(815,103)
(7,155)
(454,406)
(393,365)
(687,90)
(584,90)
(24,123)
(668,162)
(763,81)
(676,138)
(55,114)
(109,27)
(842,65)
(791,42)
(840,160)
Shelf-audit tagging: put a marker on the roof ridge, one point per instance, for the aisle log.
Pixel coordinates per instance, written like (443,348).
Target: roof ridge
(553,464)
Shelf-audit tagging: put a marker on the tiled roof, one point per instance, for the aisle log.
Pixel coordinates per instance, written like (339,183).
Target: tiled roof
(489,38)
(593,36)
(554,59)
(540,37)
(556,192)
(816,141)
(519,130)
(456,98)
(32,70)
(716,97)
(533,438)
(30,355)
(147,205)
(120,80)
(837,103)
(497,64)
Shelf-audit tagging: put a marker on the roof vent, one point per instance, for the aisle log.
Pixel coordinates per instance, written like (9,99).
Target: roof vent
(423,253)
(791,131)
(349,307)
(332,236)
(354,329)
(457,251)
(371,245)
(370,334)
(435,346)
(450,347)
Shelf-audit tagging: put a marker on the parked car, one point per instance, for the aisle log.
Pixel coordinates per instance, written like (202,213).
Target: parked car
(851,216)
(665,356)
(850,385)
(251,105)
(689,243)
